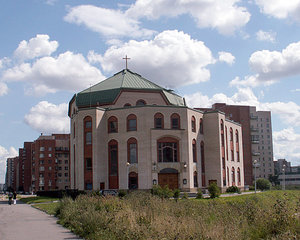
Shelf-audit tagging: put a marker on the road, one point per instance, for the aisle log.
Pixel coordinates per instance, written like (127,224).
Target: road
(23,222)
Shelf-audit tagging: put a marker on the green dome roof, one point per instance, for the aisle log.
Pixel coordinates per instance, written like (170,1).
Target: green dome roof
(107,91)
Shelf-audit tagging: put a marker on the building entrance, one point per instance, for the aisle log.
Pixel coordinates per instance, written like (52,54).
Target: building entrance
(168,176)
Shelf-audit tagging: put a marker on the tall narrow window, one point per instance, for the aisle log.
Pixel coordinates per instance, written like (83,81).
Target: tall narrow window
(112,124)
(195,180)
(226,143)
(175,121)
(158,121)
(131,123)
(233,176)
(231,144)
(193,124)
(202,164)
(88,164)
(132,156)
(201,126)
(237,147)
(239,176)
(113,165)
(228,176)
(133,180)
(194,148)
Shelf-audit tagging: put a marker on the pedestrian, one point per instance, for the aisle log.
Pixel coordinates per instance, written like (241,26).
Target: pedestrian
(15,197)
(10,195)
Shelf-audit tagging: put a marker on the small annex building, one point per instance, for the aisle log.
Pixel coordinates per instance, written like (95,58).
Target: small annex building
(130,133)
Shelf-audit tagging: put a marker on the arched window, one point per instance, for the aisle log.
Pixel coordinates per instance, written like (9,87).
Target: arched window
(194,148)
(159,121)
(113,164)
(239,176)
(140,102)
(202,164)
(237,147)
(231,135)
(201,126)
(233,176)
(167,150)
(195,179)
(226,143)
(74,130)
(133,180)
(222,133)
(88,130)
(228,176)
(231,145)
(132,154)
(112,124)
(131,123)
(193,124)
(127,105)
(175,121)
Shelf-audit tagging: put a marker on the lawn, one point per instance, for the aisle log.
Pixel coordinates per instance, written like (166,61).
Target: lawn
(50,208)
(33,200)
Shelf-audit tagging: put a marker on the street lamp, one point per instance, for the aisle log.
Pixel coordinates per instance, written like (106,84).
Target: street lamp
(283,170)
(255,164)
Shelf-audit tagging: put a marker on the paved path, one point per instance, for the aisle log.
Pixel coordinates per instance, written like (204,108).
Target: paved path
(23,222)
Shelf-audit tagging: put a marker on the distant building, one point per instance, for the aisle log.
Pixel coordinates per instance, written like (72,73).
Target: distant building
(257,137)
(281,164)
(50,162)
(10,177)
(129,133)
(24,168)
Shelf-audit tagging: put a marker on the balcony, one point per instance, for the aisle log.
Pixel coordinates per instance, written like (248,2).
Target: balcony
(254,117)
(255,153)
(254,141)
(253,129)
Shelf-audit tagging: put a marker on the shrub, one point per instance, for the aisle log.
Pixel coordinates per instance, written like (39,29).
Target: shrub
(122,193)
(263,184)
(233,189)
(162,192)
(184,196)
(199,194)
(176,193)
(214,190)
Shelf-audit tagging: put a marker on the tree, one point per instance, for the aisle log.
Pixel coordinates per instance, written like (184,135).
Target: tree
(274,179)
(214,190)
(263,184)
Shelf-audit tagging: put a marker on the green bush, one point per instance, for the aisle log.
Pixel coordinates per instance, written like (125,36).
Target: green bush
(214,190)
(233,189)
(185,196)
(176,193)
(162,192)
(263,184)
(122,193)
(199,194)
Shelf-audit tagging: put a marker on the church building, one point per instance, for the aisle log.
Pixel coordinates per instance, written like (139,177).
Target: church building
(129,133)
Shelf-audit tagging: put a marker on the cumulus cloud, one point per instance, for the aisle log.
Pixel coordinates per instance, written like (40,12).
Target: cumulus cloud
(109,22)
(226,57)
(38,46)
(4,154)
(271,66)
(266,36)
(280,9)
(172,59)
(225,16)
(3,89)
(67,71)
(286,145)
(56,117)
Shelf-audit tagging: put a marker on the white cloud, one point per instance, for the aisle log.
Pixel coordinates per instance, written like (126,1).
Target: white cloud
(3,89)
(4,154)
(226,57)
(225,16)
(271,66)
(266,36)
(296,90)
(280,9)
(286,145)
(67,71)
(109,22)
(38,46)
(48,118)
(171,59)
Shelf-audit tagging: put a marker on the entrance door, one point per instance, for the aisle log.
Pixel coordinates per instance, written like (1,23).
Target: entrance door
(170,179)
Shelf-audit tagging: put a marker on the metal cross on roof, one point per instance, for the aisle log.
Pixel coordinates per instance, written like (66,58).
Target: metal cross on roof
(126,58)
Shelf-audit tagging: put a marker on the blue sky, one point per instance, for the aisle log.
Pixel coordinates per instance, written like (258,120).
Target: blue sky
(238,52)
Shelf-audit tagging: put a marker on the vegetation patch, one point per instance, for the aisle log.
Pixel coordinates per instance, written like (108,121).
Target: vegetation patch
(141,215)
(32,200)
(49,208)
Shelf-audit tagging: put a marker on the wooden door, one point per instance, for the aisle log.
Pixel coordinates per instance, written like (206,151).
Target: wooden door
(170,179)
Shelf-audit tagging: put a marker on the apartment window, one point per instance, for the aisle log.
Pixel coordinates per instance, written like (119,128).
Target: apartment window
(66,161)
(41,161)
(50,149)
(59,168)
(59,174)
(66,168)
(88,164)
(112,125)
(158,121)
(42,168)
(49,161)
(66,174)
(50,168)
(41,155)
(49,155)
(268,136)
(131,123)
(42,149)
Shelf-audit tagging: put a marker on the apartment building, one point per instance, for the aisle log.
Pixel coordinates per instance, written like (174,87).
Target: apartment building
(50,162)
(257,138)
(10,177)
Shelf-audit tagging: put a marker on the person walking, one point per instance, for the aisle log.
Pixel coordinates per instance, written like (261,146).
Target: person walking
(10,195)
(15,197)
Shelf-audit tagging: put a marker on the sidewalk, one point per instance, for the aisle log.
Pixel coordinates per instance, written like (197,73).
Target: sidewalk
(23,222)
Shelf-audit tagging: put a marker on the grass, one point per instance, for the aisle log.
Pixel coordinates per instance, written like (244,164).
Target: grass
(49,208)
(33,200)
(139,215)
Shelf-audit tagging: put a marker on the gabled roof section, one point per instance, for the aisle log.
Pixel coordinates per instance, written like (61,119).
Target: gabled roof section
(108,90)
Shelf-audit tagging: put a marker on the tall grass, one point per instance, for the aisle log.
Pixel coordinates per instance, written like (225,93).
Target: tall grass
(270,215)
